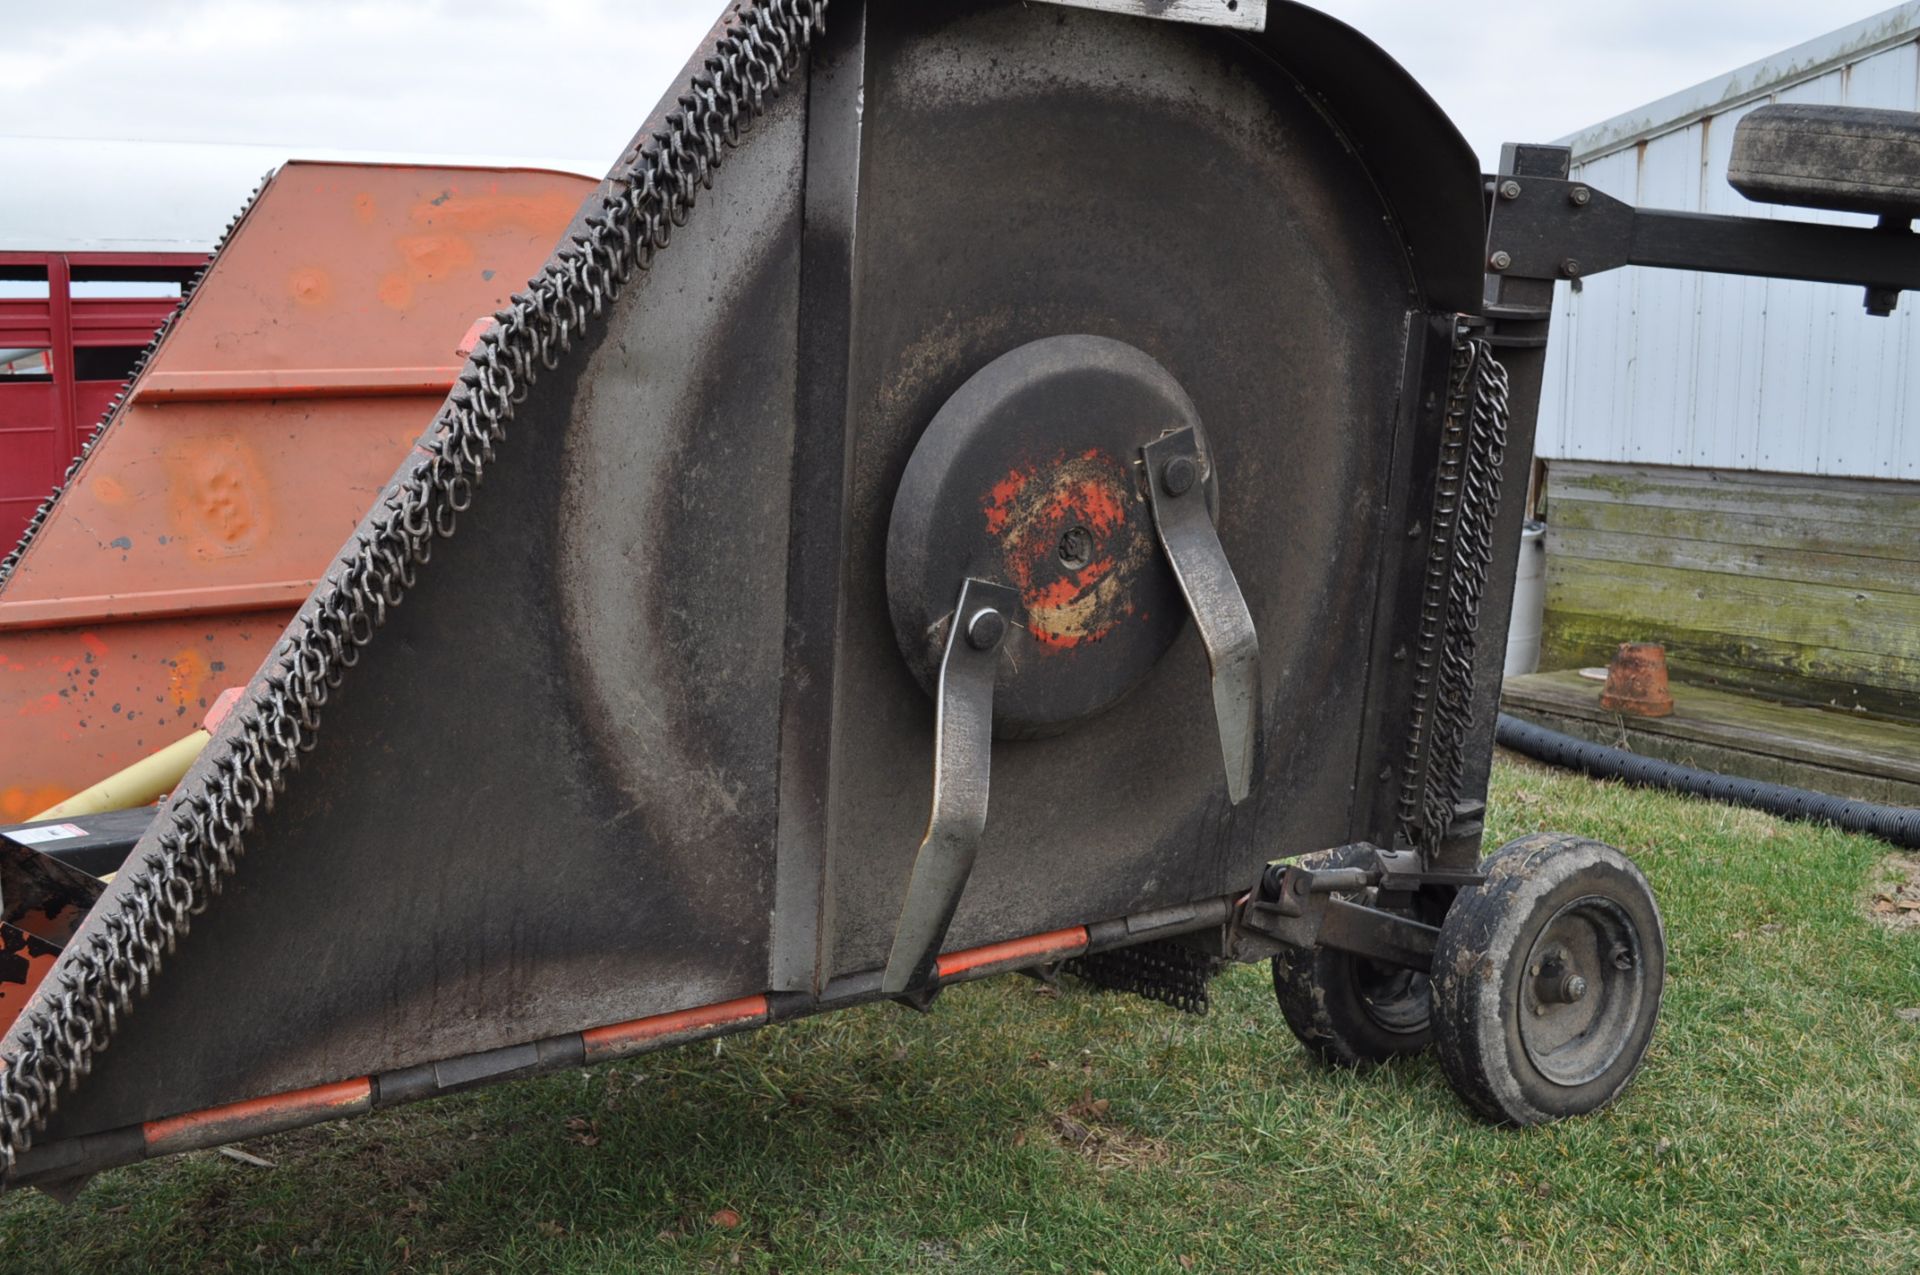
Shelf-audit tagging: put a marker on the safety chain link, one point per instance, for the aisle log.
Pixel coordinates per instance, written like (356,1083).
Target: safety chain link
(1466,501)
(1163,970)
(39,518)
(202,827)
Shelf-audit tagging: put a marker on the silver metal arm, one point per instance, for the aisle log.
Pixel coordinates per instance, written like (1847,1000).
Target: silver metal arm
(983,624)
(1180,516)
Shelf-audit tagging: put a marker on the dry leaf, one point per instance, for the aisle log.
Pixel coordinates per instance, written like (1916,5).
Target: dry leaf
(725,1219)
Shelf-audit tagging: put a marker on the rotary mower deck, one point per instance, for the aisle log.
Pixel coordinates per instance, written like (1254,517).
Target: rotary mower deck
(978,486)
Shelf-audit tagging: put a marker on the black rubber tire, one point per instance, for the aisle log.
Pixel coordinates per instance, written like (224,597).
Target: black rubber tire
(1326,996)
(1491,1025)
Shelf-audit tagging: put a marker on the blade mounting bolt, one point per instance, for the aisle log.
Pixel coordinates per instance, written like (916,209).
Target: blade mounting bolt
(985,629)
(1580,196)
(1501,260)
(1076,548)
(1509,190)
(1179,475)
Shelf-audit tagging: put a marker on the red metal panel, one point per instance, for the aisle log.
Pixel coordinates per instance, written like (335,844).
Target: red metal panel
(317,348)
(59,323)
(110,321)
(33,451)
(25,323)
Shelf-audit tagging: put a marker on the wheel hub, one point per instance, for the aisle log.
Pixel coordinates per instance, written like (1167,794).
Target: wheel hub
(1029,475)
(1581,989)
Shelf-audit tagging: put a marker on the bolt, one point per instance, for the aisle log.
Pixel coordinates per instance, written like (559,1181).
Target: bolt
(1076,548)
(1509,189)
(1580,196)
(1570,268)
(1574,988)
(1179,475)
(985,629)
(1501,260)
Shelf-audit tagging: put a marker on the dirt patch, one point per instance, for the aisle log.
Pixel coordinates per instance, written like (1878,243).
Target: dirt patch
(1088,1128)
(1894,900)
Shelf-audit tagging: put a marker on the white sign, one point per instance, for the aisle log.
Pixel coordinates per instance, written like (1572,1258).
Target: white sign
(53,832)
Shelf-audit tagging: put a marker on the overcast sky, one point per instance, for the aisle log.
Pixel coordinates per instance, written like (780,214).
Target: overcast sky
(569,79)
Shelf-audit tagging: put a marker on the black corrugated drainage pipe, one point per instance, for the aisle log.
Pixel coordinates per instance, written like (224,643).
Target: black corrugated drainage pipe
(1899,825)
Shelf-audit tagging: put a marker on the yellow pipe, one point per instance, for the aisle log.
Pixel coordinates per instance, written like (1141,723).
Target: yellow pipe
(144,782)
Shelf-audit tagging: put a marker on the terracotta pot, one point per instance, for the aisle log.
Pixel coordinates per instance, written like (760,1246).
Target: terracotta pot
(1637,681)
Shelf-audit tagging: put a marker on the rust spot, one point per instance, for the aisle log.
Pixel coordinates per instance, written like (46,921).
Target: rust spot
(17,805)
(547,215)
(310,285)
(425,259)
(1068,544)
(216,493)
(187,678)
(395,291)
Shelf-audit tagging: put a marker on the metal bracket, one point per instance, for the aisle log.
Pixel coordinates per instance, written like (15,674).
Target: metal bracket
(1242,15)
(1549,228)
(983,622)
(1178,497)
(1300,907)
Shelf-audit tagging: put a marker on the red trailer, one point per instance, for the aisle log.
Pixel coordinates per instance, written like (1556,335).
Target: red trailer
(66,348)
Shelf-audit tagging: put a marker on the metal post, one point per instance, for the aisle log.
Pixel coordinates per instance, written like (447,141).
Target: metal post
(1519,313)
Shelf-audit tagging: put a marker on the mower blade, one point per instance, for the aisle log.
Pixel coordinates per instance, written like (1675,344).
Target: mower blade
(1178,494)
(983,622)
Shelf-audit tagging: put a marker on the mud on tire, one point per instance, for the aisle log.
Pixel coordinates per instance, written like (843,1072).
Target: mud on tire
(1547,980)
(1347,1010)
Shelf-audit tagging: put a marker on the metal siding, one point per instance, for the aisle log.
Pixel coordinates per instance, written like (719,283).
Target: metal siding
(1731,324)
(1660,428)
(1667,367)
(1871,362)
(1599,386)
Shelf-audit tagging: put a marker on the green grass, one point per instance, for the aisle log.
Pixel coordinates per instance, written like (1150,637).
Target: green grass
(1776,1126)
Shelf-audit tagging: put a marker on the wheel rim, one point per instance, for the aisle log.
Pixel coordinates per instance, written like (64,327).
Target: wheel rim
(1581,991)
(1396,1000)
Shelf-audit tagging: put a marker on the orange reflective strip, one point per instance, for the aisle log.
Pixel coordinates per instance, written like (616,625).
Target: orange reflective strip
(257,1116)
(624,1038)
(1059,944)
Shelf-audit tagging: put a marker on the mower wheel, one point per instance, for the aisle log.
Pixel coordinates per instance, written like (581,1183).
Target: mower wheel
(1547,980)
(1348,1010)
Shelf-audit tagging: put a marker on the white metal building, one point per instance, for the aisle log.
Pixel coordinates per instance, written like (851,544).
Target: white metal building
(1732,466)
(1664,368)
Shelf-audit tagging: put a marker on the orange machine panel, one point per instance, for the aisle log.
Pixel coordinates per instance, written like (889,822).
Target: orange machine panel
(313,353)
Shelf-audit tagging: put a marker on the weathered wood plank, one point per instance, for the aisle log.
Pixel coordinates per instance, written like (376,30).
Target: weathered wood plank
(1788,673)
(1848,572)
(1760,529)
(1880,625)
(1809,748)
(1817,735)
(1793,495)
(1803,587)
